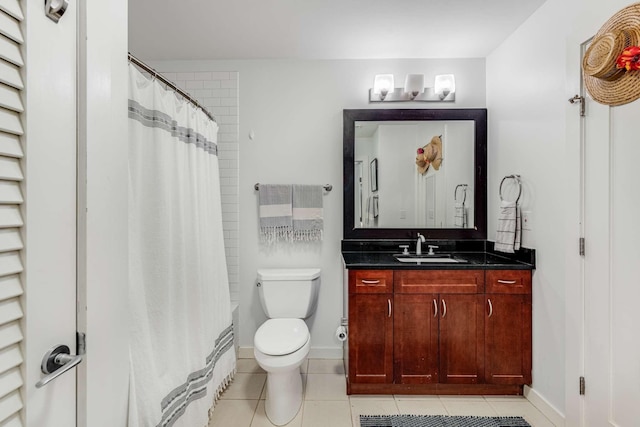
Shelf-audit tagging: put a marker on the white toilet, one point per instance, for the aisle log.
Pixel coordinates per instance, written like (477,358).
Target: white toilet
(282,343)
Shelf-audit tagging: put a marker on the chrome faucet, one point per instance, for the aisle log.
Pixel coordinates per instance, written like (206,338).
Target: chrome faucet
(419,243)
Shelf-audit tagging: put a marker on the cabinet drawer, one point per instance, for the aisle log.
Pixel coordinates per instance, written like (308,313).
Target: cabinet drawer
(370,281)
(439,281)
(508,281)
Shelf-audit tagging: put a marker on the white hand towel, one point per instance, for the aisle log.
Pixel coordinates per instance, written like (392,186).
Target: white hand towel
(509,228)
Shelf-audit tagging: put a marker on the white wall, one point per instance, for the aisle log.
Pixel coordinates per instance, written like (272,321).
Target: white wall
(105,373)
(294,107)
(526,100)
(534,131)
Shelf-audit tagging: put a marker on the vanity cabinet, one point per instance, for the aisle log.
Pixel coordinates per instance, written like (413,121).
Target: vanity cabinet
(508,327)
(439,331)
(370,308)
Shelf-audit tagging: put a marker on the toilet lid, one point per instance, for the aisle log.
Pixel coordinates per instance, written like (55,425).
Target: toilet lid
(277,337)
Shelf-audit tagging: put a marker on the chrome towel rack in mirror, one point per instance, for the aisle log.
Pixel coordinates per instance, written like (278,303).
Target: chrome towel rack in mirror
(464,192)
(515,178)
(327,187)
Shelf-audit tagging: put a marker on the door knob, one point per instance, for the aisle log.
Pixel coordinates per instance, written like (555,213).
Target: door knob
(54,9)
(56,361)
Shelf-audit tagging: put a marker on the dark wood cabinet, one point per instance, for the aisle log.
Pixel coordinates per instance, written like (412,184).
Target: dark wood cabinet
(508,327)
(461,339)
(371,354)
(431,331)
(415,331)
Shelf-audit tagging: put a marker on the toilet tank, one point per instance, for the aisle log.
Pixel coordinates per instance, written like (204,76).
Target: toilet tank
(289,293)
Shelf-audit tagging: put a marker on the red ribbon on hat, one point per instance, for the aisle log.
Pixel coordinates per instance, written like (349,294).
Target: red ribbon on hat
(629,59)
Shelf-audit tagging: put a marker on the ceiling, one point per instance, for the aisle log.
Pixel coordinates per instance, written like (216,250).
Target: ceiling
(322,29)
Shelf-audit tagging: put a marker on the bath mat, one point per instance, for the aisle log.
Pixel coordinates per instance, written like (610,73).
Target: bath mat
(439,421)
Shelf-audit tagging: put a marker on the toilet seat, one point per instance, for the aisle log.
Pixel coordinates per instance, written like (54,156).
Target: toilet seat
(278,337)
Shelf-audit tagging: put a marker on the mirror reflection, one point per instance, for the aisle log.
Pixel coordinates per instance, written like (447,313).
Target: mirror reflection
(414,174)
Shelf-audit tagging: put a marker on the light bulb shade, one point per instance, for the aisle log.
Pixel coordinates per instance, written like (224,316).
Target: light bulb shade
(383,84)
(414,84)
(445,84)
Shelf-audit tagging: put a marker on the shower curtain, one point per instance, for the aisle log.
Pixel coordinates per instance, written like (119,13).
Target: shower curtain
(181,342)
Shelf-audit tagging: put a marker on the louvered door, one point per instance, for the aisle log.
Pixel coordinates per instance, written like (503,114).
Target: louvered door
(11,218)
(37,211)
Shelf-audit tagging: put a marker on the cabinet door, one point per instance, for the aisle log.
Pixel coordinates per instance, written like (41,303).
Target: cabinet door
(508,339)
(371,338)
(461,338)
(415,332)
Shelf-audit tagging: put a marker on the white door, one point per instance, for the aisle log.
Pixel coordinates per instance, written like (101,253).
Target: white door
(49,209)
(611,286)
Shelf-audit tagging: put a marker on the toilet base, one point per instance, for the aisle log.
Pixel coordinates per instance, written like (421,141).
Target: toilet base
(284,396)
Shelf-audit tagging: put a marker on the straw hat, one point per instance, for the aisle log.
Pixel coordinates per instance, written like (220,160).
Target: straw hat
(430,154)
(606,83)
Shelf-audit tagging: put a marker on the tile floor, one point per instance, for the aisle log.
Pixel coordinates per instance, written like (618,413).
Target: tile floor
(326,403)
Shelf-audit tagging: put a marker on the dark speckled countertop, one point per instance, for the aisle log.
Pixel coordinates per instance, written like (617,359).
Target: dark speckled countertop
(471,254)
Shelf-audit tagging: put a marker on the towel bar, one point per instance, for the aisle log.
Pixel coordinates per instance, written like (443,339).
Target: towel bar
(455,193)
(517,179)
(327,187)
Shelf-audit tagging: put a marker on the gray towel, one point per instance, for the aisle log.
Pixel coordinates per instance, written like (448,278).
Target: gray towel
(509,228)
(307,212)
(276,219)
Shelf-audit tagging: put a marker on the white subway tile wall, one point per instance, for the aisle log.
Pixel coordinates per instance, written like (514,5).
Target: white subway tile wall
(218,92)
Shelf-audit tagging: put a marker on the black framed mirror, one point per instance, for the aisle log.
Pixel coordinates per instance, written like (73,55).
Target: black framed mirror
(418,177)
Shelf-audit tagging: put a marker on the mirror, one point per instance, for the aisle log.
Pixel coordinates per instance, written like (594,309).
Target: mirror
(387,194)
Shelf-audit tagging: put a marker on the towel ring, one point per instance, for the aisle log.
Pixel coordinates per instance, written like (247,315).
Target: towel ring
(455,193)
(515,177)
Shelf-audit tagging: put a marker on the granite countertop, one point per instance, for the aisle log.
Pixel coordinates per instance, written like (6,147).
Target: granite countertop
(471,255)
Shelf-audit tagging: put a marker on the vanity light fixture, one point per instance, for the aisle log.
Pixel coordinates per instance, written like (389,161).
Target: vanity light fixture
(443,90)
(413,85)
(382,85)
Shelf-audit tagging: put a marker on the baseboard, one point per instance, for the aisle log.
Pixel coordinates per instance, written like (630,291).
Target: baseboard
(543,405)
(314,353)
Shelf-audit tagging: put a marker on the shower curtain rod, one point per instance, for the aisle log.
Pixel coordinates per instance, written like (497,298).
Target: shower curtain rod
(170,84)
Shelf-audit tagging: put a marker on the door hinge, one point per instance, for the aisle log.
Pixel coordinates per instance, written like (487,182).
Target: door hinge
(581,246)
(577,99)
(581,386)
(81,343)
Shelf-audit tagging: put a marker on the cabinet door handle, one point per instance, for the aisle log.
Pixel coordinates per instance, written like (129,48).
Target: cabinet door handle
(389,303)
(444,308)
(507,282)
(435,308)
(372,282)
(490,307)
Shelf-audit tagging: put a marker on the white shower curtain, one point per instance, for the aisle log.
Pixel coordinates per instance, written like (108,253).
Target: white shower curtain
(181,349)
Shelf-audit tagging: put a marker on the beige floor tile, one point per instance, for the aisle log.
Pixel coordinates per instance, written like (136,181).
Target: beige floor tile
(461,398)
(421,407)
(371,407)
(326,387)
(233,413)
(480,408)
(319,413)
(245,386)
(261,420)
(263,396)
(506,399)
(326,366)
(249,366)
(371,397)
(522,409)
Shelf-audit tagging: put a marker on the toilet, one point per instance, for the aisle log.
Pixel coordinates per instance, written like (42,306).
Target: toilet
(282,343)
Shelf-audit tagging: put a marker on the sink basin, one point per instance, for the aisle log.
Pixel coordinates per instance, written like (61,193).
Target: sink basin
(434,259)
